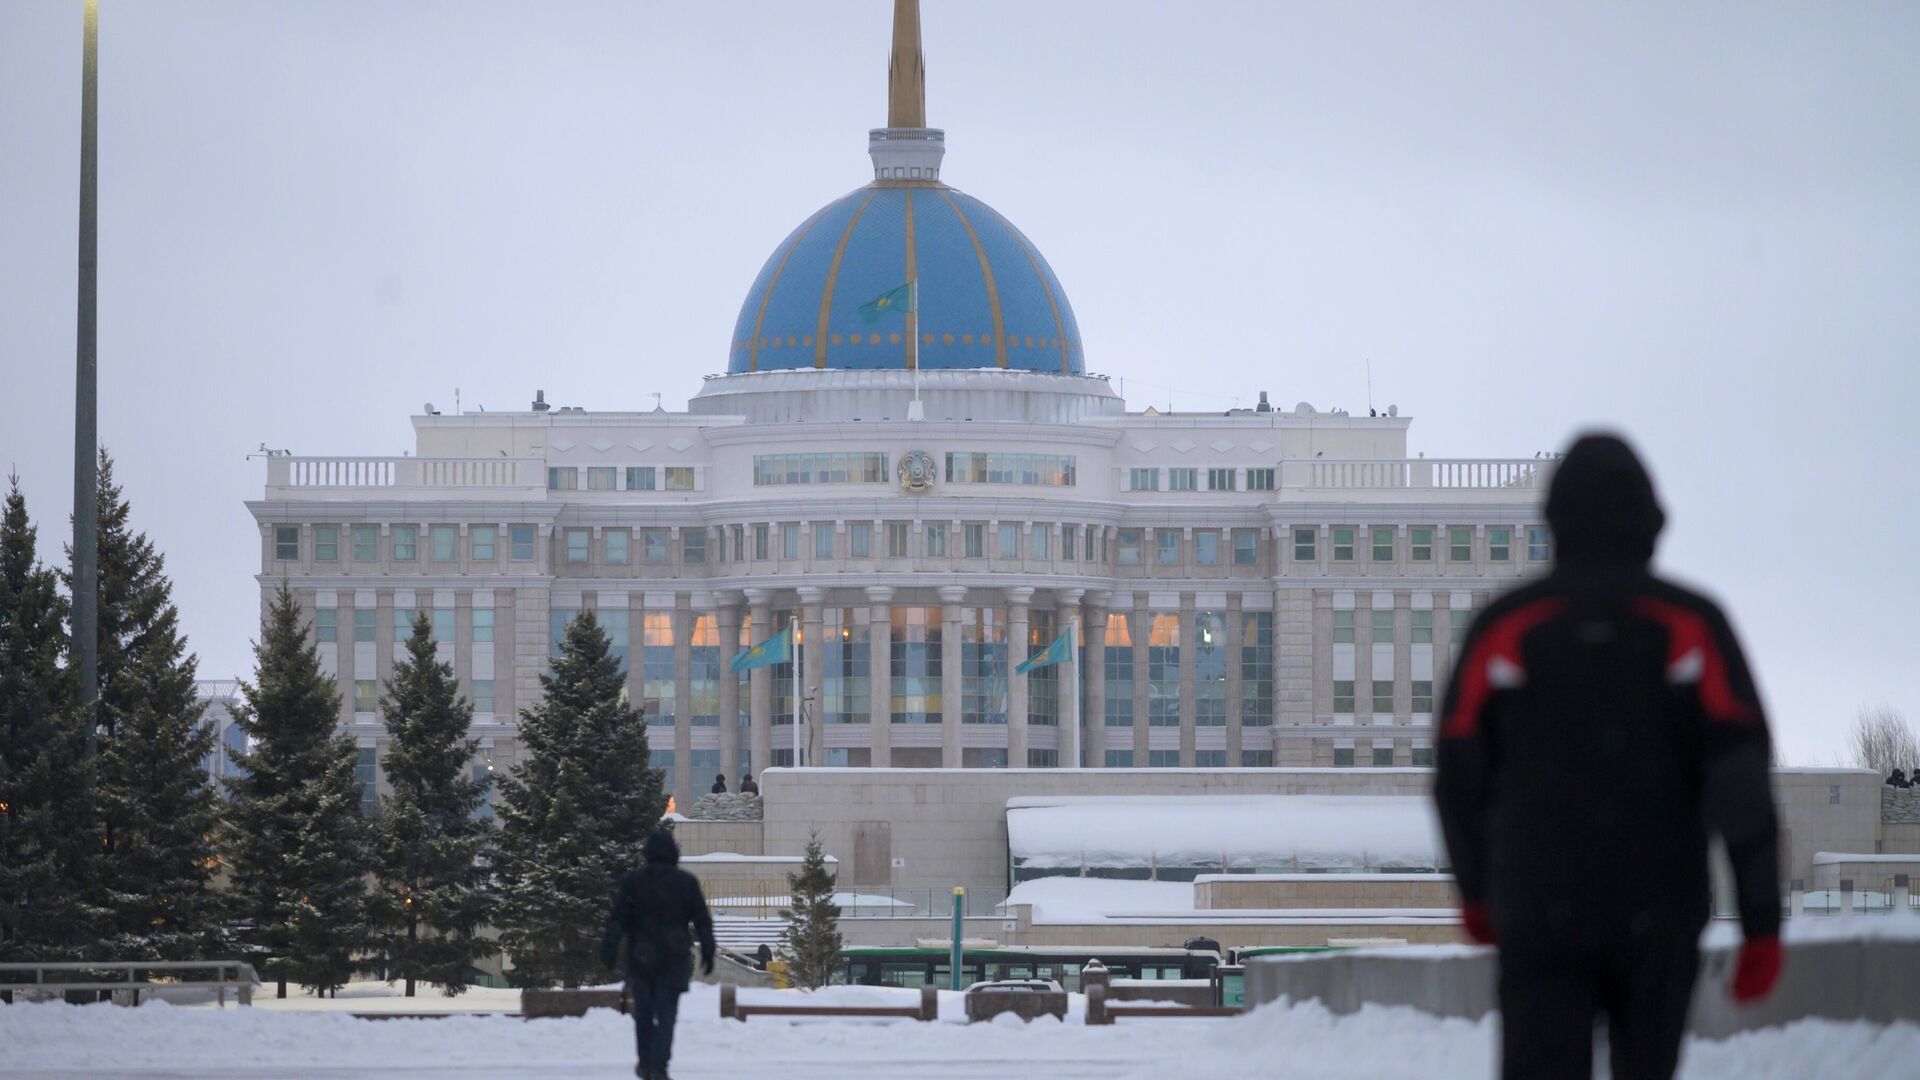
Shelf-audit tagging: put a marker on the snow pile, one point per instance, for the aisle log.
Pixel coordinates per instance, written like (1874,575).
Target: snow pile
(1254,832)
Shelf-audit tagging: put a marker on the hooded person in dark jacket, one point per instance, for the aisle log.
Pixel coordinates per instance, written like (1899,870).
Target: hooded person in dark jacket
(1596,894)
(657,913)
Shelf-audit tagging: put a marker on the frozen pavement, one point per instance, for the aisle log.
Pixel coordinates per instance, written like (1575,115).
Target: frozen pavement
(44,1042)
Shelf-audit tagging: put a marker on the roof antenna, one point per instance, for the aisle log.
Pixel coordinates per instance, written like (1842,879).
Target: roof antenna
(1370,411)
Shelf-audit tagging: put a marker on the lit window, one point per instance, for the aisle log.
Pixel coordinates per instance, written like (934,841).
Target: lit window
(1539,548)
(1420,544)
(1145,480)
(577,545)
(1382,624)
(326,543)
(1382,543)
(559,479)
(1343,545)
(1027,470)
(679,477)
(1166,547)
(1129,540)
(406,542)
(365,695)
(789,541)
(483,696)
(1206,548)
(896,539)
(976,541)
(366,543)
(1423,695)
(521,536)
(617,541)
(1220,479)
(1303,540)
(860,539)
(286,542)
(1460,544)
(654,546)
(1422,626)
(693,546)
(482,625)
(936,540)
(1343,627)
(824,468)
(1260,480)
(823,540)
(601,477)
(1246,547)
(1183,479)
(326,624)
(483,537)
(1383,696)
(1009,540)
(640,478)
(366,624)
(1499,544)
(1343,696)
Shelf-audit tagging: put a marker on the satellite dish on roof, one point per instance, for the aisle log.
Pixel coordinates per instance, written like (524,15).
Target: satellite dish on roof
(1393,410)
(1304,408)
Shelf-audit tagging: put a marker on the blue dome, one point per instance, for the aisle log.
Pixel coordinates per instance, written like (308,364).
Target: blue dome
(988,299)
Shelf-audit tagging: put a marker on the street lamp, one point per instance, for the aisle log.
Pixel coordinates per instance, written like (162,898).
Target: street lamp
(86,438)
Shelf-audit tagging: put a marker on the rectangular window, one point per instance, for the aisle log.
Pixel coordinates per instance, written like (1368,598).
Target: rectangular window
(1209,669)
(1539,547)
(739,544)
(563,479)
(1383,696)
(366,543)
(914,662)
(1256,759)
(1382,543)
(482,625)
(1343,696)
(1499,544)
(1092,541)
(693,545)
(1183,479)
(1423,695)
(653,546)
(366,624)
(1163,671)
(640,478)
(896,539)
(1246,547)
(826,468)
(440,625)
(1206,548)
(1221,479)
(1166,547)
(1343,545)
(1260,479)
(521,537)
(1382,625)
(976,541)
(1009,540)
(1423,757)
(601,477)
(1163,759)
(1026,470)
(1420,544)
(679,477)
(618,541)
(1069,541)
(936,540)
(483,696)
(860,540)
(577,545)
(760,542)
(406,543)
(1460,544)
(366,695)
(983,666)
(1144,480)
(1383,757)
(1303,540)
(326,543)
(286,542)
(1343,627)
(1209,759)
(1422,626)
(1343,757)
(1117,670)
(1256,669)
(1043,759)
(483,537)
(1129,547)
(1042,541)
(366,777)
(789,541)
(1119,759)
(823,540)
(326,624)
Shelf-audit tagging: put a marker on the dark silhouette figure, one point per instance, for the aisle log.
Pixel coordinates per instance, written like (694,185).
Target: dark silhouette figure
(719,785)
(1596,892)
(748,786)
(657,914)
(763,955)
(1898,779)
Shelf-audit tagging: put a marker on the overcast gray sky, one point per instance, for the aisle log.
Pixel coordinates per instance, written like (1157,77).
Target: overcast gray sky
(1697,223)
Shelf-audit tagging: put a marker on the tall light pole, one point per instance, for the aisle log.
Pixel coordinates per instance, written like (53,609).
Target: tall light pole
(86,438)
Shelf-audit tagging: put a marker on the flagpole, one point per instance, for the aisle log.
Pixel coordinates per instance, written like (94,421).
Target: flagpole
(799,681)
(916,411)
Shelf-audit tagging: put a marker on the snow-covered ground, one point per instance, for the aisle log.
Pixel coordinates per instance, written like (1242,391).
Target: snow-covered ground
(277,1041)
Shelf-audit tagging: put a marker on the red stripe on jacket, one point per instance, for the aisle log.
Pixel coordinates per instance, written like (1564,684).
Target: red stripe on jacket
(1689,632)
(1498,641)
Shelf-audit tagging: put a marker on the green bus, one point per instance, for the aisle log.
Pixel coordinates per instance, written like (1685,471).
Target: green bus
(917,966)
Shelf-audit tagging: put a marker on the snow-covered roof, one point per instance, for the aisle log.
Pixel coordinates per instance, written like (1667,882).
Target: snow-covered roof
(1827,858)
(1295,832)
(730,857)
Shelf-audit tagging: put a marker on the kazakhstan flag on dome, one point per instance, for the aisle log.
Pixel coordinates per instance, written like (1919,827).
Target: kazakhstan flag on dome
(777,649)
(899,298)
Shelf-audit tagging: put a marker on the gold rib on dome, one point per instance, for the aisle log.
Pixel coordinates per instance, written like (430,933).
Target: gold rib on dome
(912,327)
(833,275)
(760,318)
(986,276)
(1033,259)
(906,69)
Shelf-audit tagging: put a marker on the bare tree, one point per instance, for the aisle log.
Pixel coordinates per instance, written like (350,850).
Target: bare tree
(1883,740)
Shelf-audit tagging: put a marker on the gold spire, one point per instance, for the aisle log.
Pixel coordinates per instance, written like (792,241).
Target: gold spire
(906,69)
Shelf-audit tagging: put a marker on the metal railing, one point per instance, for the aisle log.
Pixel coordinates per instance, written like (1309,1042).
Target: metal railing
(405,472)
(243,978)
(1487,474)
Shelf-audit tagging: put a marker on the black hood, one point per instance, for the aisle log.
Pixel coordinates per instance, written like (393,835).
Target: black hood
(1601,504)
(661,847)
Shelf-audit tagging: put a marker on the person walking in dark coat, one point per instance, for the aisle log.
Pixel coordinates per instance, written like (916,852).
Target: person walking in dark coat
(1596,894)
(658,912)
(719,785)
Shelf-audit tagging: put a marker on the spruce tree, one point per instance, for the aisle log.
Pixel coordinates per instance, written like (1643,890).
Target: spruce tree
(429,842)
(295,839)
(155,803)
(46,845)
(813,921)
(574,813)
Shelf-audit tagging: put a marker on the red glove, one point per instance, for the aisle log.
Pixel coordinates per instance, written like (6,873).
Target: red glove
(1477,923)
(1757,970)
